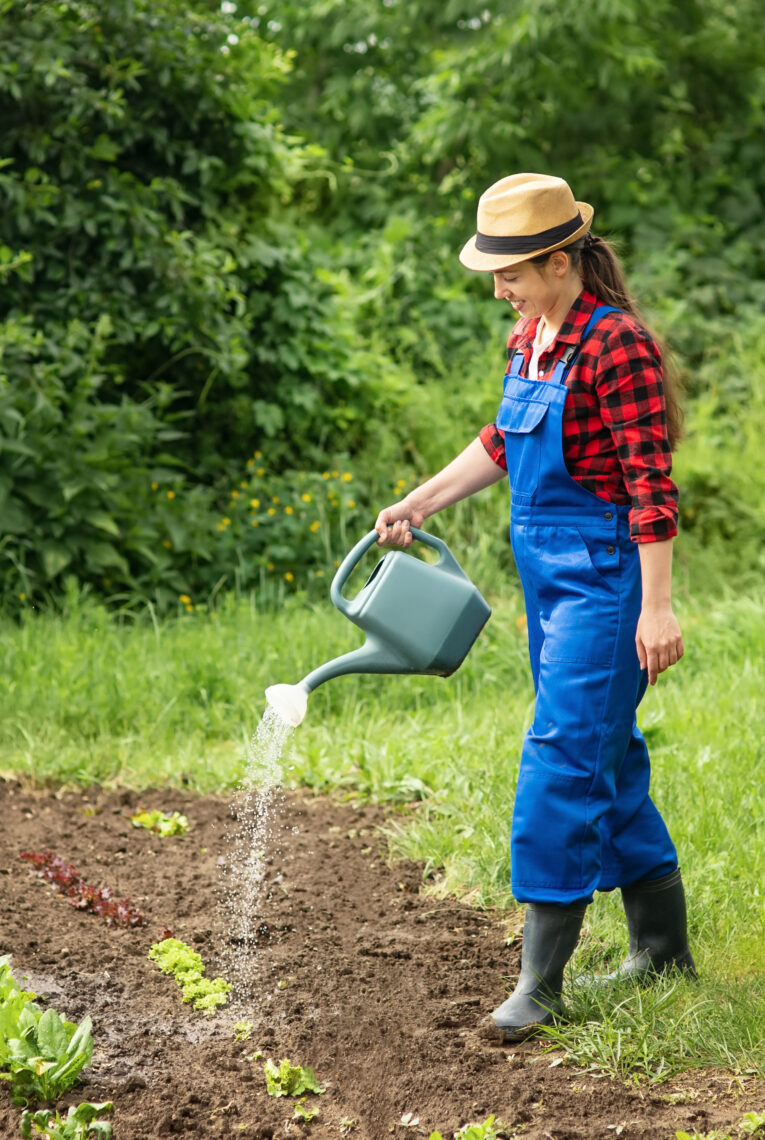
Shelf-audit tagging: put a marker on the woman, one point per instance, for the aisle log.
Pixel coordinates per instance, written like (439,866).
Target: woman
(584,432)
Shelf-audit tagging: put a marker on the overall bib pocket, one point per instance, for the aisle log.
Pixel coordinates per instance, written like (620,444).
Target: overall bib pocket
(521,420)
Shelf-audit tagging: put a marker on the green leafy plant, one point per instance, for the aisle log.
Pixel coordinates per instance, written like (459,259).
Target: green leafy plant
(243,1030)
(176,958)
(491,1129)
(159,821)
(304,1114)
(752,1122)
(41,1053)
(83,1122)
(287,1079)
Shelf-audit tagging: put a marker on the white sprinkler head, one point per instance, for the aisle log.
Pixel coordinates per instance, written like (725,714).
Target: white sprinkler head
(289,702)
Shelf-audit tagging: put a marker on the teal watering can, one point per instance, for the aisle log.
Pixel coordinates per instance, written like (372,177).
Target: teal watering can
(419,617)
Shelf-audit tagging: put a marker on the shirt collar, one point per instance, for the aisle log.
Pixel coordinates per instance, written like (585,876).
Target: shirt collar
(572,328)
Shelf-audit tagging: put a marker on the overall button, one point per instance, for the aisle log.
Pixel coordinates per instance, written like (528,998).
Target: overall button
(608,515)
(610,549)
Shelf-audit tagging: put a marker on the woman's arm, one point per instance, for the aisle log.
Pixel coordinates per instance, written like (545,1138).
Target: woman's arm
(471,471)
(658,639)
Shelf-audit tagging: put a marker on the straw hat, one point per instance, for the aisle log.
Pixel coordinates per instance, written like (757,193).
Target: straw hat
(523,216)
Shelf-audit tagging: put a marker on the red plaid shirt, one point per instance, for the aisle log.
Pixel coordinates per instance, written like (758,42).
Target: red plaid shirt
(614,422)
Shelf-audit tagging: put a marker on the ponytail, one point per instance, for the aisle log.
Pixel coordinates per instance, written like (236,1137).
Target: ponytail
(602,275)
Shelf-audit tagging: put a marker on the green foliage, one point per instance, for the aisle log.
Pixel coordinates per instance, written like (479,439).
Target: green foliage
(82,1122)
(159,821)
(168,306)
(41,1054)
(490,1129)
(176,958)
(286,1079)
(305,1114)
(751,1124)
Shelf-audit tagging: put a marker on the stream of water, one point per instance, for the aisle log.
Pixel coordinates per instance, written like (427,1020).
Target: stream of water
(250,837)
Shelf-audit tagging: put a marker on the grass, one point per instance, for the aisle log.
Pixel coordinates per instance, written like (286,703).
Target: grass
(87,697)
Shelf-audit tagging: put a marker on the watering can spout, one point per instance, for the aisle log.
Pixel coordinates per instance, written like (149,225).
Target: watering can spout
(418,617)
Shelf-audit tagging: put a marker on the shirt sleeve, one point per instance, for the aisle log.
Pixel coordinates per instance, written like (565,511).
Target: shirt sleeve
(633,408)
(494,441)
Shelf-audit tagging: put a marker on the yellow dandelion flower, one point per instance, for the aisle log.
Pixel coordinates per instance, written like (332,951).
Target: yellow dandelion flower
(226,521)
(290,576)
(189,608)
(275,499)
(269,565)
(351,504)
(306,497)
(335,474)
(250,463)
(234,494)
(314,526)
(167,543)
(155,486)
(271,511)
(220,526)
(258,454)
(22,597)
(260,471)
(319,573)
(325,475)
(185,599)
(254,523)
(171,494)
(255,503)
(243,483)
(346,477)
(289,510)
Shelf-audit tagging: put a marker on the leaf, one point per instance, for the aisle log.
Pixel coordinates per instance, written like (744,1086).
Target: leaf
(103,521)
(55,558)
(51,1035)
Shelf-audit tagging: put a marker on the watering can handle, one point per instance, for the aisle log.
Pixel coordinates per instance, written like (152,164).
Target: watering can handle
(354,556)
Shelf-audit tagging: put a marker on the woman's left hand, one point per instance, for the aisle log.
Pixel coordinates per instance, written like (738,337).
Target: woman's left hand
(658,640)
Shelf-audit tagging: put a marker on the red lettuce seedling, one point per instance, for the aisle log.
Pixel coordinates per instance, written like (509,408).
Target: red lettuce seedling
(96,900)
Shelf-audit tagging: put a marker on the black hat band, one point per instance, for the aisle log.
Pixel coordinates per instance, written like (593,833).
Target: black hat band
(488,243)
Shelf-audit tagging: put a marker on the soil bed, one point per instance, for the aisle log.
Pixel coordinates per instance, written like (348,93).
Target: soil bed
(358,975)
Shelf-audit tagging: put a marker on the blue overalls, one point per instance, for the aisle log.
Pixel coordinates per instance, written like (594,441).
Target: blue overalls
(583,819)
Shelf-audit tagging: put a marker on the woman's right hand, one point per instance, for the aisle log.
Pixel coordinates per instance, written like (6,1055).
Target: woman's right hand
(393,523)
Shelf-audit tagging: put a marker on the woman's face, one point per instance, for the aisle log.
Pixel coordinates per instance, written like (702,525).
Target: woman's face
(528,288)
(534,290)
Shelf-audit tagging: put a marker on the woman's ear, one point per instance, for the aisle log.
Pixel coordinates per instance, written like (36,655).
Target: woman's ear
(559,262)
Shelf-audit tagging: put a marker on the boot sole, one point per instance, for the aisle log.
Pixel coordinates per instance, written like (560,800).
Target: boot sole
(488,1030)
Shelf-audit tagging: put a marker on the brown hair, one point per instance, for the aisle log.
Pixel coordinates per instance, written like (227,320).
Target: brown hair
(602,275)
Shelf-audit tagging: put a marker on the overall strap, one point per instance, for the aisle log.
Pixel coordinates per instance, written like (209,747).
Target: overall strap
(566,362)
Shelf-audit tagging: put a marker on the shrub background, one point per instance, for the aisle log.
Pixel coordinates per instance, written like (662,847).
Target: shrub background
(229,230)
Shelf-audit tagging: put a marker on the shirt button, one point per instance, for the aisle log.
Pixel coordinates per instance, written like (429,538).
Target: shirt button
(610,549)
(608,515)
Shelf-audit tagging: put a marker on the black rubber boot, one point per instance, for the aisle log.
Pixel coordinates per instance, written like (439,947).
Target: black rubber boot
(550,934)
(657,924)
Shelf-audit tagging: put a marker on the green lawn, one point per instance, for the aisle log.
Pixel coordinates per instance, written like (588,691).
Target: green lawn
(88,697)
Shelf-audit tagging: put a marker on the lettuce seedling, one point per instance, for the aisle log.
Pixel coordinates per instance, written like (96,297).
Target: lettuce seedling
(303,1114)
(97,900)
(81,1123)
(164,825)
(176,958)
(289,1079)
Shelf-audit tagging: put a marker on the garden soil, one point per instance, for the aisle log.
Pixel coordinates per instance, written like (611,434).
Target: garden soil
(357,973)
